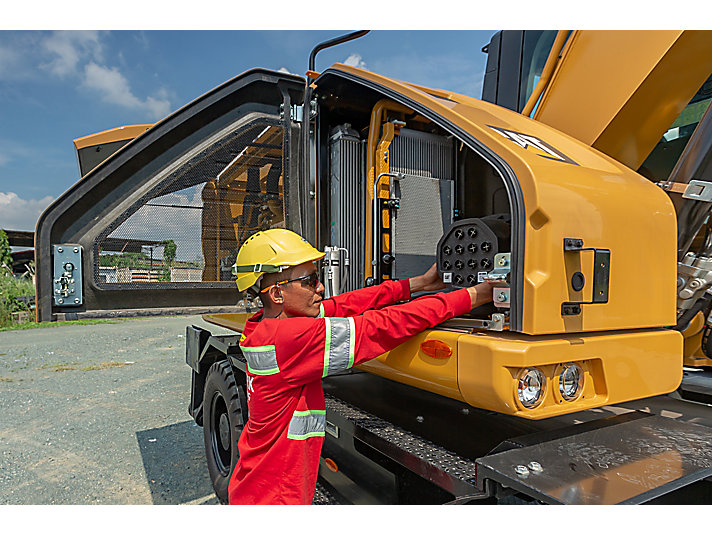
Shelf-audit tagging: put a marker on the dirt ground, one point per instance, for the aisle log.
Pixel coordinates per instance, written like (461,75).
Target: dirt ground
(97,414)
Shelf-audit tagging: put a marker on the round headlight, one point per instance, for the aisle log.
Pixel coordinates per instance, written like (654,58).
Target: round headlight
(531,387)
(571,382)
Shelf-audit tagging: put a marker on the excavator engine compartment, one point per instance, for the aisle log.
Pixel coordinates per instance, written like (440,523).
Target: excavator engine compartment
(401,189)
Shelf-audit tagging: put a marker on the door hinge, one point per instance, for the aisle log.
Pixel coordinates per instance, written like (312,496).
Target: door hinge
(296,113)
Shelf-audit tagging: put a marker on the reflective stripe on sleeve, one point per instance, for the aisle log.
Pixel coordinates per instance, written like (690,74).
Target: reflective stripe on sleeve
(322,313)
(339,345)
(261,360)
(307,424)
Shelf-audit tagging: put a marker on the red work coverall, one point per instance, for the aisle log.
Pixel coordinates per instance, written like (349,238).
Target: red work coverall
(287,358)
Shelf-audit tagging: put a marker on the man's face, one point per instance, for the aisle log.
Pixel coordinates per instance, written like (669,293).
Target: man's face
(299,299)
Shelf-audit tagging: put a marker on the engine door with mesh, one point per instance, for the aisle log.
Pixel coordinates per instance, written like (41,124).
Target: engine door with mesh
(161,220)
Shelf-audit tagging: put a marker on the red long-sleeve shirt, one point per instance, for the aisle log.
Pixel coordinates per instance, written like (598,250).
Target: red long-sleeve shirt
(287,358)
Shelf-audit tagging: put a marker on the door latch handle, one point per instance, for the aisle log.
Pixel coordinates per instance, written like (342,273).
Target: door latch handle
(601,274)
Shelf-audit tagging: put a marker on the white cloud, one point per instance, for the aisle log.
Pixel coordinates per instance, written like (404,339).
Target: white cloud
(284,70)
(68,48)
(355,60)
(20,214)
(115,89)
(75,56)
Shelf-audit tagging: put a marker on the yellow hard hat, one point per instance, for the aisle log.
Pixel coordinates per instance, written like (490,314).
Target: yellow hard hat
(271,251)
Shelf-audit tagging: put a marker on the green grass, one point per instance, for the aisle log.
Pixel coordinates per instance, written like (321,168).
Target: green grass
(11,287)
(31,325)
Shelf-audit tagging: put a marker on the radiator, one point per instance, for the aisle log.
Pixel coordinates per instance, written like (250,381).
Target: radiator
(347,200)
(427,196)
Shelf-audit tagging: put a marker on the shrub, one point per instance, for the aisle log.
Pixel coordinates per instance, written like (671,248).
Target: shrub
(10,288)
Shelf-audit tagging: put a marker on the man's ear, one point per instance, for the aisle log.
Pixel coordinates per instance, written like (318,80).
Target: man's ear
(275,294)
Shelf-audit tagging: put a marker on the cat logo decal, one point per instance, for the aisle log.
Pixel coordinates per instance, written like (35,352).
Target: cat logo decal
(527,141)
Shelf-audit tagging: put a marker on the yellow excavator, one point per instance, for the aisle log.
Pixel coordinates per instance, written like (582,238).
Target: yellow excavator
(550,187)
(643,99)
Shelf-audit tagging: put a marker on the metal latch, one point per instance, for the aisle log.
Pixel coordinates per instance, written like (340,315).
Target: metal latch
(694,190)
(296,113)
(601,273)
(500,274)
(67,275)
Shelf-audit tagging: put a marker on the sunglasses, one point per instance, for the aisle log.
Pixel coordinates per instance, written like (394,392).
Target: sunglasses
(310,281)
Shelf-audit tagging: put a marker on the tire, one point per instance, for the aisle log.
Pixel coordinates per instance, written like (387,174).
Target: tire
(224,417)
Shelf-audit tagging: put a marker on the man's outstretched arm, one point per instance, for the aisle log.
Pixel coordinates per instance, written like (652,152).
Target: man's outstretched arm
(379,296)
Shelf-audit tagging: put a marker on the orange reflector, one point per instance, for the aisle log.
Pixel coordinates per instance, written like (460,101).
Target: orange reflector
(331,464)
(436,349)
(313,75)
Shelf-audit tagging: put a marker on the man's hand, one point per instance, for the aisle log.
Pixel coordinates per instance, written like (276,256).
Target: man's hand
(480,294)
(429,281)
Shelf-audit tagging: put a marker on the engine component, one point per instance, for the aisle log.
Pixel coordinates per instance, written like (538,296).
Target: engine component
(347,209)
(426,194)
(335,271)
(694,278)
(468,250)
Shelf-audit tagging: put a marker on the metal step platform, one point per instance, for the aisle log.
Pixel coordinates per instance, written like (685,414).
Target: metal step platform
(447,470)
(632,462)
(323,496)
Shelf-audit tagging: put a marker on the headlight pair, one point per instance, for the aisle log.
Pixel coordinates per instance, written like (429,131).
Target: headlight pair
(532,384)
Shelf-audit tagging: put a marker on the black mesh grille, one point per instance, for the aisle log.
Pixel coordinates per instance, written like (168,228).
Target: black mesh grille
(188,228)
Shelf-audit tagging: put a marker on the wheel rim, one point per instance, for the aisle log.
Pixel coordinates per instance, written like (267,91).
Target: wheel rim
(220,434)
(224,431)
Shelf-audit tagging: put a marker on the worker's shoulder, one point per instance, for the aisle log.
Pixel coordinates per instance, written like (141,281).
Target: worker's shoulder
(285,330)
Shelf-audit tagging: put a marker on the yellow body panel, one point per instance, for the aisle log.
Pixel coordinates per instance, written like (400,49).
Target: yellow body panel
(692,354)
(233,321)
(110,136)
(596,199)
(619,91)
(408,364)
(619,366)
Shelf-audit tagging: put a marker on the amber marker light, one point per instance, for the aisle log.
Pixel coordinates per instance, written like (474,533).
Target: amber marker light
(436,349)
(331,464)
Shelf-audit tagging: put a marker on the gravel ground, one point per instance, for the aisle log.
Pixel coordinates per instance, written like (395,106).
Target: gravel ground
(97,414)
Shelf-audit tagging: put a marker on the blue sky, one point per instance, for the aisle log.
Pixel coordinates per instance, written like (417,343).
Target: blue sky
(56,86)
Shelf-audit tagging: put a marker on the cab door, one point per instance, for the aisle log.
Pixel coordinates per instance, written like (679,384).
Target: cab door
(155,228)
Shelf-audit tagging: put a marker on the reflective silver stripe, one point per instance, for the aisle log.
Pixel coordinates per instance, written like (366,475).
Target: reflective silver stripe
(307,424)
(339,345)
(261,360)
